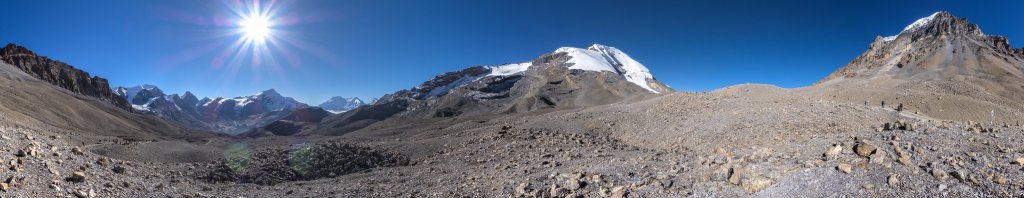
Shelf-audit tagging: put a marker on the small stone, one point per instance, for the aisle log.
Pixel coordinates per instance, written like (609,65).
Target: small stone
(1019,161)
(13,181)
(877,158)
(721,174)
(596,178)
(756,184)
(118,169)
(960,175)
(905,159)
(604,191)
(103,161)
(938,173)
(77,177)
(619,192)
(5,187)
(82,194)
(942,187)
(893,180)
(572,182)
(735,174)
(845,168)
(999,179)
(864,149)
(21,153)
(522,189)
(556,191)
(77,151)
(831,153)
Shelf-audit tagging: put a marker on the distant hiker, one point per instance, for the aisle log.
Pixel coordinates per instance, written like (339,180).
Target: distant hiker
(899,108)
(883,104)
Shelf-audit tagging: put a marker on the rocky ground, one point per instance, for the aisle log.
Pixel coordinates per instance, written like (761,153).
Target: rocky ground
(40,165)
(741,141)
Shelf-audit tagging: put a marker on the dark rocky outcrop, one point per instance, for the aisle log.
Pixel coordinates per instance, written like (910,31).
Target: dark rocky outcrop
(308,114)
(61,74)
(294,123)
(303,162)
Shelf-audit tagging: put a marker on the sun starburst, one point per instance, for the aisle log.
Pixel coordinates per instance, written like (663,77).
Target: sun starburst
(255,27)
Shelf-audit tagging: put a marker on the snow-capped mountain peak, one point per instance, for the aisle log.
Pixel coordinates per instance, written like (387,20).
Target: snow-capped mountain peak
(268,93)
(356,100)
(598,57)
(921,22)
(340,104)
(941,22)
(270,100)
(131,92)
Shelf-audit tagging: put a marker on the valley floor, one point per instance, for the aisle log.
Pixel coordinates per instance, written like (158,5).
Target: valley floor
(730,143)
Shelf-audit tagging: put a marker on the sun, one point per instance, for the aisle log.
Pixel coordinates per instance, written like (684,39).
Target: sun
(255,27)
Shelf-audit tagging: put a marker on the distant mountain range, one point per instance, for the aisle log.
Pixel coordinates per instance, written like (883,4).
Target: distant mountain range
(228,115)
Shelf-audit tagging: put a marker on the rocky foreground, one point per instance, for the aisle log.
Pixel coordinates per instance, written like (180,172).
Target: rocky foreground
(682,144)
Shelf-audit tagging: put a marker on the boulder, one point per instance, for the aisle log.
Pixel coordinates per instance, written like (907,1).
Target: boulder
(845,168)
(864,149)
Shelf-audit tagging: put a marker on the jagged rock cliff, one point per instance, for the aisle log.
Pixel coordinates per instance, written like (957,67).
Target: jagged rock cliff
(61,74)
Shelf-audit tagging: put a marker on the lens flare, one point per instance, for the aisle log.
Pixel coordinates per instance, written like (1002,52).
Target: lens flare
(255,22)
(237,157)
(256,28)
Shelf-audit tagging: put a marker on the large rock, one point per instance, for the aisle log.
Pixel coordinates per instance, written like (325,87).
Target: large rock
(832,152)
(864,149)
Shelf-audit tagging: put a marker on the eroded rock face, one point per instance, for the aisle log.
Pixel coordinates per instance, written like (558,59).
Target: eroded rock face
(61,74)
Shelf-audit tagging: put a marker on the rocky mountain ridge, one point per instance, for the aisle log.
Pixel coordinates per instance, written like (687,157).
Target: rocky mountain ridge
(941,66)
(61,74)
(938,46)
(568,77)
(228,115)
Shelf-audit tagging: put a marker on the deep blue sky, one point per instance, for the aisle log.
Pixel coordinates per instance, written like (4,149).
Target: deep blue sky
(368,48)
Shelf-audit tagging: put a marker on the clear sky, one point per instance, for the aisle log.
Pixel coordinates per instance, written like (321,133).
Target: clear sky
(368,48)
